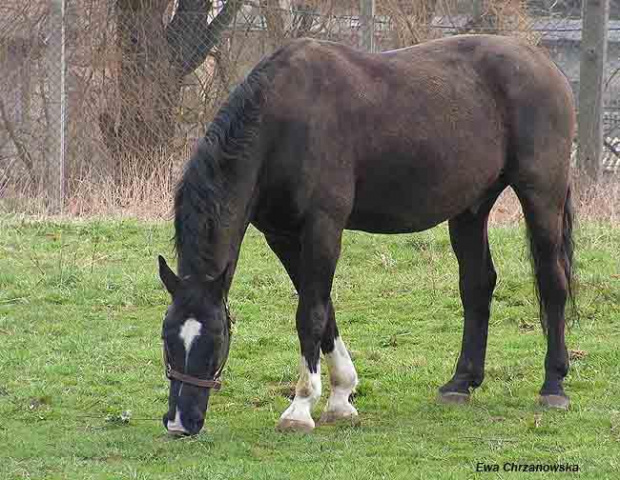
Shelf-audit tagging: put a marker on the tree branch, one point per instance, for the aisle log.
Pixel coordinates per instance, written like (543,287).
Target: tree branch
(191,37)
(611,148)
(303,20)
(611,77)
(275,21)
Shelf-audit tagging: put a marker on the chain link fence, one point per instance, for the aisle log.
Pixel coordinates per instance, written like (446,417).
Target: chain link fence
(106,93)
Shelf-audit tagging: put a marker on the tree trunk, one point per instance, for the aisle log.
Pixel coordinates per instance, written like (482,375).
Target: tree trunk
(154,59)
(591,75)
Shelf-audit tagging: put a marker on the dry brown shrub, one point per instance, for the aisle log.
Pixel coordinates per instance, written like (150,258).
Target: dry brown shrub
(597,202)
(410,21)
(413,22)
(146,196)
(151,197)
(593,202)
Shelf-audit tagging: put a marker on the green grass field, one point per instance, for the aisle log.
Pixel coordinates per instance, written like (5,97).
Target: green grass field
(82,387)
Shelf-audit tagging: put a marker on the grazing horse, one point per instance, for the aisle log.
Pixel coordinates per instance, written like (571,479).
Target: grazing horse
(319,138)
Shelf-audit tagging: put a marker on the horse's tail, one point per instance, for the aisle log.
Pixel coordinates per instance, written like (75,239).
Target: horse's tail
(568,246)
(566,260)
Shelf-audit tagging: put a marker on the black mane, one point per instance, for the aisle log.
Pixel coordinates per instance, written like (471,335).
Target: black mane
(199,204)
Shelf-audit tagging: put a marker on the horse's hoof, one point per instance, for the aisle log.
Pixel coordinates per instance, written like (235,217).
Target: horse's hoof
(560,402)
(288,425)
(333,417)
(453,398)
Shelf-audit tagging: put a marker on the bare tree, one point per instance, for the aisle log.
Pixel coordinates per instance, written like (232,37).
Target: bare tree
(155,56)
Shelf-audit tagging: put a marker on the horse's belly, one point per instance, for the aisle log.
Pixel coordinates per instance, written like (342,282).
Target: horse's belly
(400,207)
(373,222)
(394,220)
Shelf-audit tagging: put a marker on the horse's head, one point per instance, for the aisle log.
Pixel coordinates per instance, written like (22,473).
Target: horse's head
(196,339)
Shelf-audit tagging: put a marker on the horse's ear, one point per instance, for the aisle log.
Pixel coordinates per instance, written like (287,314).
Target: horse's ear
(167,276)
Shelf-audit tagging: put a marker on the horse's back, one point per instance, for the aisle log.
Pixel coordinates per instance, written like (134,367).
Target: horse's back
(408,138)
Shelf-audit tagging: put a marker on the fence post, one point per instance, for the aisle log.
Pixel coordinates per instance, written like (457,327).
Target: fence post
(593,53)
(57,127)
(367,27)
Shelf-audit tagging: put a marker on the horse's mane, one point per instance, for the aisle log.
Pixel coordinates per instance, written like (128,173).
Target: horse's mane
(199,204)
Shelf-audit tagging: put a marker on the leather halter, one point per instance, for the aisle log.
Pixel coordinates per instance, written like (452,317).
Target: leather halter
(214,382)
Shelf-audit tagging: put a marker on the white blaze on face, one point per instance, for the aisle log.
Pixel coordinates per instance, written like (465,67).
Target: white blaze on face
(307,393)
(189,331)
(343,380)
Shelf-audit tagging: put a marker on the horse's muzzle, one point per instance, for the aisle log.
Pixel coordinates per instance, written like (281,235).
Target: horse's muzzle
(184,424)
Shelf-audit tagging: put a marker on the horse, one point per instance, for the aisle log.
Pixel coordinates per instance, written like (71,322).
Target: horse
(319,138)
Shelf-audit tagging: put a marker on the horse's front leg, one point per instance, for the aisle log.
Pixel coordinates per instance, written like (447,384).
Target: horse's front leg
(342,379)
(320,249)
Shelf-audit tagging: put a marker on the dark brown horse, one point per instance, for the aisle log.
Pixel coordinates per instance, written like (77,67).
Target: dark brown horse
(320,138)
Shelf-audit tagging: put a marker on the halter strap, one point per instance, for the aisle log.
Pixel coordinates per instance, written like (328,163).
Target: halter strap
(215,383)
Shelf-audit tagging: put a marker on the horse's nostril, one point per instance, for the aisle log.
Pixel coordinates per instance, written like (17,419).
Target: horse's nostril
(184,421)
(194,426)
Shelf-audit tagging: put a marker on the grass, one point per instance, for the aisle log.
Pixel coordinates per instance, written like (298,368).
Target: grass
(82,387)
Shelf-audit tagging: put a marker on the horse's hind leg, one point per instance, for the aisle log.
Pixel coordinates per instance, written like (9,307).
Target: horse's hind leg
(342,374)
(549,221)
(477,277)
(343,377)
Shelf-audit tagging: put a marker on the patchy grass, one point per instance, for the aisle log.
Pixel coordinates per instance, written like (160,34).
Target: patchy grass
(82,386)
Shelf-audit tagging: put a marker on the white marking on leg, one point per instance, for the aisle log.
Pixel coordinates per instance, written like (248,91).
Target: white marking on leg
(343,380)
(189,331)
(175,426)
(307,393)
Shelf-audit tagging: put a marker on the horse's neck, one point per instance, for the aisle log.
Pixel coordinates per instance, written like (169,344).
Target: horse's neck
(218,250)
